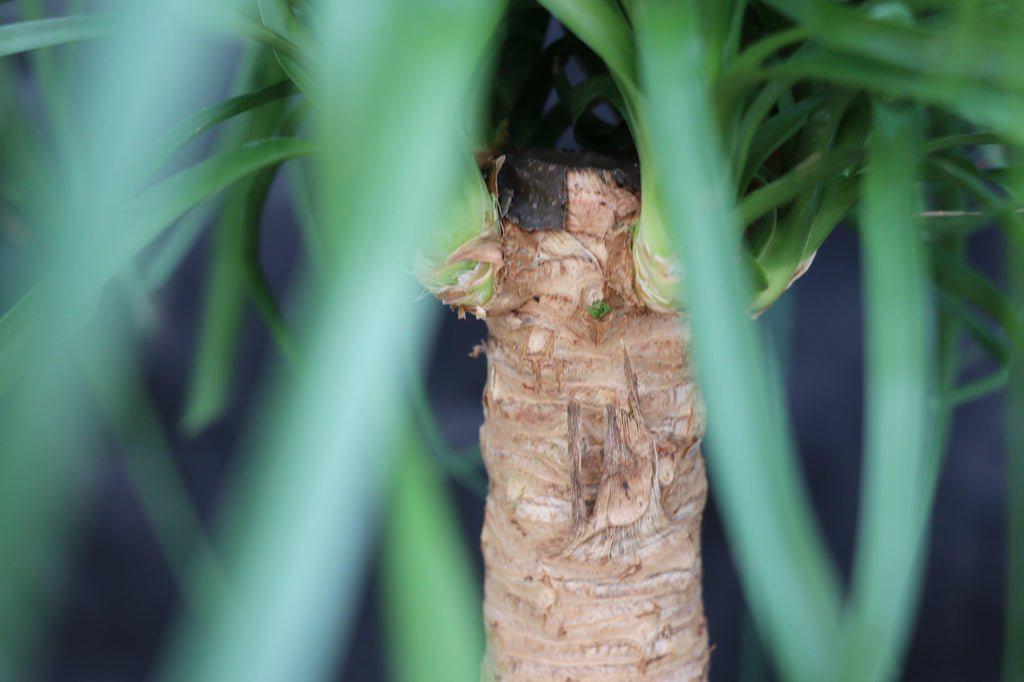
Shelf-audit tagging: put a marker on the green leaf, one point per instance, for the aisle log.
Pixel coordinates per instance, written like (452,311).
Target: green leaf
(836,203)
(927,51)
(16,337)
(786,573)
(299,513)
(749,123)
(123,402)
(220,329)
(154,210)
(33,35)
(978,103)
(203,120)
(771,134)
(211,377)
(256,282)
(278,17)
(431,595)
(782,257)
(900,367)
(753,56)
(962,286)
(970,286)
(158,206)
(808,173)
(41,33)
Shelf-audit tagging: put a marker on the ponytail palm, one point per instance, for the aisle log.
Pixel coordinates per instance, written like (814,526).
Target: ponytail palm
(720,145)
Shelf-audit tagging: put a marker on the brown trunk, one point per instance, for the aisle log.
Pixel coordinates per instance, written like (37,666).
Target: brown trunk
(591,537)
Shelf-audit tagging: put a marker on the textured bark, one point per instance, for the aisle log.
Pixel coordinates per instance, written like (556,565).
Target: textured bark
(591,537)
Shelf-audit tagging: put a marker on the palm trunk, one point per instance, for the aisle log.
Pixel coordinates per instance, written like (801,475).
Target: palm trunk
(591,537)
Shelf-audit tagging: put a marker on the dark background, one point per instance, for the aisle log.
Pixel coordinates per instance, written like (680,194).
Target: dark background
(119,598)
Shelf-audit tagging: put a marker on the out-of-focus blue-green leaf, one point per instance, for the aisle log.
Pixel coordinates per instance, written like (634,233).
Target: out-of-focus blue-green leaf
(786,573)
(220,330)
(44,439)
(201,121)
(900,370)
(216,352)
(431,597)
(153,211)
(783,255)
(978,103)
(123,402)
(40,33)
(395,78)
(277,16)
(172,250)
(773,133)
(924,50)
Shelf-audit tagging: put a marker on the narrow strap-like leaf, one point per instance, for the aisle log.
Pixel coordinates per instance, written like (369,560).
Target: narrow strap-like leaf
(204,119)
(788,578)
(900,368)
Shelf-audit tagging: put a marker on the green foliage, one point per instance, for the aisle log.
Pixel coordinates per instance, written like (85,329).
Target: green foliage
(432,599)
(787,102)
(790,584)
(760,126)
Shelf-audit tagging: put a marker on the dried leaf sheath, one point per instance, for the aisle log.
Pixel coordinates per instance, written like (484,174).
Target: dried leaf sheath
(592,528)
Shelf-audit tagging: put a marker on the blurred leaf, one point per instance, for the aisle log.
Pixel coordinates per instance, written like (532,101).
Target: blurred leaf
(155,209)
(220,328)
(298,515)
(15,326)
(754,55)
(172,251)
(216,354)
(126,85)
(808,173)
(837,201)
(748,125)
(900,368)
(39,33)
(256,281)
(774,132)
(431,595)
(201,121)
(967,286)
(930,52)
(278,17)
(979,103)
(123,401)
(786,573)
(160,205)
(970,286)
(782,257)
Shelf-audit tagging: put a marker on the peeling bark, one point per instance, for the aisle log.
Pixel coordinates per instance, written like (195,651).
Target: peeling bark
(591,537)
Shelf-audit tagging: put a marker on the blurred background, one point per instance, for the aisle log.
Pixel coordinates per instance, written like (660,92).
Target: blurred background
(121,597)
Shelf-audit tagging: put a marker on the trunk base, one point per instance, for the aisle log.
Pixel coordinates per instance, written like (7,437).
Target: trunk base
(591,536)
